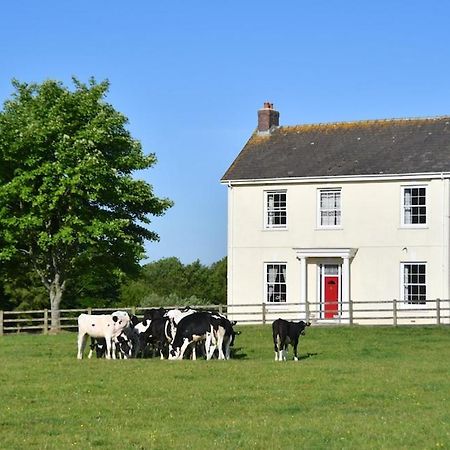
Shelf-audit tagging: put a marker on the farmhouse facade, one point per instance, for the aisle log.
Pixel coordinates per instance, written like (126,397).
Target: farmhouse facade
(323,215)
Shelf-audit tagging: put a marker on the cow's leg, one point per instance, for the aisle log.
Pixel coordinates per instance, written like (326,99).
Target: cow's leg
(109,348)
(226,344)
(280,346)
(219,343)
(284,351)
(294,345)
(194,351)
(113,349)
(161,350)
(82,337)
(210,344)
(184,347)
(93,345)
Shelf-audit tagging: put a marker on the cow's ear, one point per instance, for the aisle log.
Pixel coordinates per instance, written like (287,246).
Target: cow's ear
(115,318)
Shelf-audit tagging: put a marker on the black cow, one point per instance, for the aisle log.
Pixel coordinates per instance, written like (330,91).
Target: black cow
(197,327)
(157,335)
(154,313)
(285,333)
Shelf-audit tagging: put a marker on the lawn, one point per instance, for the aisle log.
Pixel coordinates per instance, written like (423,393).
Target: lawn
(354,387)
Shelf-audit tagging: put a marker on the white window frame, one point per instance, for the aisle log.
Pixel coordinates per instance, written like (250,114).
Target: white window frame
(267,210)
(268,282)
(403,207)
(403,284)
(320,191)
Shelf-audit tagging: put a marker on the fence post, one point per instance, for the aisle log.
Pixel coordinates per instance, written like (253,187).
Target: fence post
(45,321)
(350,311)
(89,310)
(438,311)
(133,310)
(220,309)
(264,313)
(307,312)
(394,312)
(1,322)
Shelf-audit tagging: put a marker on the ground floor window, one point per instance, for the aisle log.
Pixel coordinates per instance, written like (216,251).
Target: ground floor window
(414,287)
(275,282)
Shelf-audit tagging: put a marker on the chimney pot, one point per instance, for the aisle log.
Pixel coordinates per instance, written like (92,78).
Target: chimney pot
(267,118)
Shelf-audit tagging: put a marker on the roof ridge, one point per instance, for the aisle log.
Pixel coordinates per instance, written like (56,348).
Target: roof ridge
(367,122)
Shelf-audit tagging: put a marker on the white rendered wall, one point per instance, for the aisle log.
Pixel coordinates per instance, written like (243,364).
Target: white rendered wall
(371,223)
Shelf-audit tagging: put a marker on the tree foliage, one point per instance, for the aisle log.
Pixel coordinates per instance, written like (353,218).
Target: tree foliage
(168,282)
(70,209)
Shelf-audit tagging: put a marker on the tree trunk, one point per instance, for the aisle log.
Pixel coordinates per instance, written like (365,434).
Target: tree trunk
(56,293)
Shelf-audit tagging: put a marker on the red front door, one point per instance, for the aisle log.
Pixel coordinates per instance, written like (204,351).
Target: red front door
(331,296)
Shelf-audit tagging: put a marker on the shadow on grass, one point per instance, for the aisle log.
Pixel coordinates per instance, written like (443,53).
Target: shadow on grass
(307,355)
(237,353)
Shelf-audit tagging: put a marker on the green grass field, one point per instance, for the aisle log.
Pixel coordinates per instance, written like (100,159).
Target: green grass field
(359,387)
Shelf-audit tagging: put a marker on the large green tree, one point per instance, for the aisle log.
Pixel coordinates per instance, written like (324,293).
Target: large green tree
(68,201)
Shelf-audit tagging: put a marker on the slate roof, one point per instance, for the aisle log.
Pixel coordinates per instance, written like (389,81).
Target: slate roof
(387,147)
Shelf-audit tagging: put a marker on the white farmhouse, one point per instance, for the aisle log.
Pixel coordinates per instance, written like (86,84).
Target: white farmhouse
(323,219)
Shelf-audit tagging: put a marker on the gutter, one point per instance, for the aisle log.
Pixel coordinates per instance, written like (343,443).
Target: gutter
(340,179)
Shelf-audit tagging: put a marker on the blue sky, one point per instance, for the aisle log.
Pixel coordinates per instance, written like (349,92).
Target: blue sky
(190,77)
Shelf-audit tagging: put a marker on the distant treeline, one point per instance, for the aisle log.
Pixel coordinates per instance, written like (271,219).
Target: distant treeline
(164,282)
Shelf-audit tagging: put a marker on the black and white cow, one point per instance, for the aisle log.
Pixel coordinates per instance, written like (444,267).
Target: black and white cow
(99,346)
(157,335)
(224,334)
(285,333)
(194,328)
(127,343)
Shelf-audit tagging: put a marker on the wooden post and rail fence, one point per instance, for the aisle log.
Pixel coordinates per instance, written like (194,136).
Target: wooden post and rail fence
(387,312)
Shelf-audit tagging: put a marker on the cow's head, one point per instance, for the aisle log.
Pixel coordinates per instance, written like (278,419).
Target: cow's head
(174,351)
(303,326)
(121,319)
(133,320)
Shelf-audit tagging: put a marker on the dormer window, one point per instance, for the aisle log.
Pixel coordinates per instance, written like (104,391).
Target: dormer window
(275,209)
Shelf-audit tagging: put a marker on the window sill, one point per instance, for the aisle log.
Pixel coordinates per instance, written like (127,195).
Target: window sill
(404,306)
(276,306)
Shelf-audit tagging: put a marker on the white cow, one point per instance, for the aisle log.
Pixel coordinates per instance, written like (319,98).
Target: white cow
(107,326)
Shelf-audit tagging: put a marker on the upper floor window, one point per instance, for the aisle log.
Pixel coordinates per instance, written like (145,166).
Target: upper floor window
(329,208)
(276,283)
(414,205)
(275,209)
(414,286)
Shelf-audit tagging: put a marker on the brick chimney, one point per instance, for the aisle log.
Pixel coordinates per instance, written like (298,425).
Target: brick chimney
(267,118)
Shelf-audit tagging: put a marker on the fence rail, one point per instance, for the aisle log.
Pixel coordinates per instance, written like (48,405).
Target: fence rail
(382,312)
